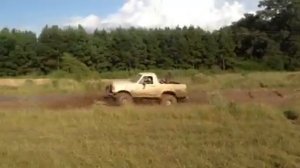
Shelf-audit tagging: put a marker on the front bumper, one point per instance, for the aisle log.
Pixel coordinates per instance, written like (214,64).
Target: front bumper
(108,92)
(109,95)
(109,98)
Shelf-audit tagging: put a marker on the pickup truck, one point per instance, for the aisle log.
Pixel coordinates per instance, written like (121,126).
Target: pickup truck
(146,86)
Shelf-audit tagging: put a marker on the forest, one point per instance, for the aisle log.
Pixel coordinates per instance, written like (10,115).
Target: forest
(267,40)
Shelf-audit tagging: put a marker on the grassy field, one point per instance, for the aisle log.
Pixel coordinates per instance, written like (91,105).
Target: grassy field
(196,82)
(197,136)
(219,133)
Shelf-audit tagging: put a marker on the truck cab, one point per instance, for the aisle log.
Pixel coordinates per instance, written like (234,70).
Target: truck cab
(146,86)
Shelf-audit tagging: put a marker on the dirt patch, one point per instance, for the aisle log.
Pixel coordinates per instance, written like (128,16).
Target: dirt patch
(63,101)
(240,96)
(201,97)
(277,97)
(53,101)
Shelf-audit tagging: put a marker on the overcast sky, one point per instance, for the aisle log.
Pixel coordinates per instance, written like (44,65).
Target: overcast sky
(209,14)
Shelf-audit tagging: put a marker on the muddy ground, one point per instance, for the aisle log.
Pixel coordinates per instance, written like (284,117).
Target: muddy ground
(51,101)
(61,101)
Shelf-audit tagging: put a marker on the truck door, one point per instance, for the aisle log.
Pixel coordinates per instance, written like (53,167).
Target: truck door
(146,87)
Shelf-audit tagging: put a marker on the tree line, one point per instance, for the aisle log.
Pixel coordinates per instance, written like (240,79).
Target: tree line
(267,40)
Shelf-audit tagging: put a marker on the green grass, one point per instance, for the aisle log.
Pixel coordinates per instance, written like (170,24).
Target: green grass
(189,136)
(205,80)
(240,81)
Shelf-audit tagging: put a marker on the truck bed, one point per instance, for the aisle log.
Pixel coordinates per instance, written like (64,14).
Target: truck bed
(169,82)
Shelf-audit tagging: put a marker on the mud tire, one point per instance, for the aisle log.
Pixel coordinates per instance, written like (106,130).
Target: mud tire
(168,100)
(124,99)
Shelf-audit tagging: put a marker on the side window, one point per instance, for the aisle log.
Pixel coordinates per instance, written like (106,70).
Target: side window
(147,80)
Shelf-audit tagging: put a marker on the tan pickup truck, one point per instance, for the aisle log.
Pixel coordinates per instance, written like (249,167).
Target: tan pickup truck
(146,86)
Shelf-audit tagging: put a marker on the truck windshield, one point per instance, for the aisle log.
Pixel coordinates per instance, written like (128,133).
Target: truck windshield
(136,78)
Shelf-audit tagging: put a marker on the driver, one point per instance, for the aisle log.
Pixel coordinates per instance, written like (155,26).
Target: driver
(148,80)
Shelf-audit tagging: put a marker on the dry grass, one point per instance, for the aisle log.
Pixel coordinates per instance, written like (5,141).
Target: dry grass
(23,87)
(21,82)
(210,136)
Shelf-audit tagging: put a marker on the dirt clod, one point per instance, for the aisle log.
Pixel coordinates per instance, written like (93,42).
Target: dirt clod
(291,115)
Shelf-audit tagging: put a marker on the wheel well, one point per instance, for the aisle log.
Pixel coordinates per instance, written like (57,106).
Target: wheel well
(169,93)
(123,91)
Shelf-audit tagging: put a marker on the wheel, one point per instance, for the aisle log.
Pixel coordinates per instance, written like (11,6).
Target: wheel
(124,99)
(168,100)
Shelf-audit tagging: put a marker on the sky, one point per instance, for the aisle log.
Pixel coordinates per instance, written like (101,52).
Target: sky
(208,14)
